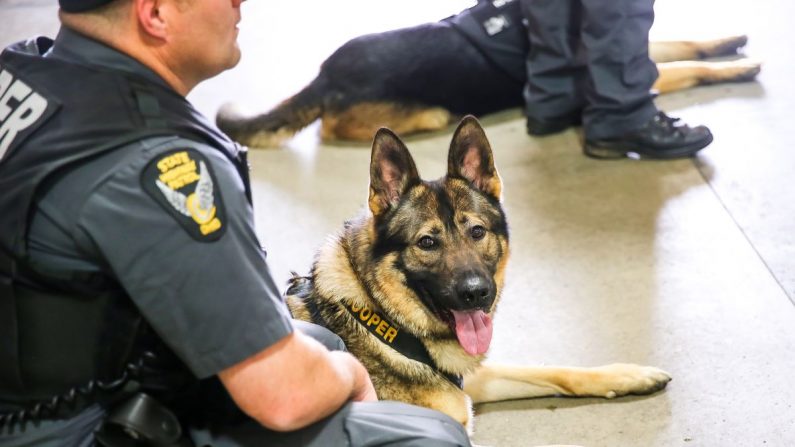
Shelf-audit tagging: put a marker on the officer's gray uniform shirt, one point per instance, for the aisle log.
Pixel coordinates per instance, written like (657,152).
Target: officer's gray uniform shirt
(209,297)
(169,220)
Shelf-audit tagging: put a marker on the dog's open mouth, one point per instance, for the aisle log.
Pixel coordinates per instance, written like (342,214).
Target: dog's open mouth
(473,330)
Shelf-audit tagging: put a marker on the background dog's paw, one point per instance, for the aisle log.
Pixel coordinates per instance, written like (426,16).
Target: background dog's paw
(620,379)
(722,47)
(740,70)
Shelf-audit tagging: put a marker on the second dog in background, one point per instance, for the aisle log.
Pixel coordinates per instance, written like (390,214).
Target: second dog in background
(426,77)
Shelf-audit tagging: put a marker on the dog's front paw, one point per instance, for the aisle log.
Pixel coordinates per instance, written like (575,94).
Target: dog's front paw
(620,379)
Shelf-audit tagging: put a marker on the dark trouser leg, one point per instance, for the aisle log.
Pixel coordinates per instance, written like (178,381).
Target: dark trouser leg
(615,36)
(356,424)
(554,68)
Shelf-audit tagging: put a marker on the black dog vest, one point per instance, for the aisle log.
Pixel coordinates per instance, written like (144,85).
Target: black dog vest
(496,28)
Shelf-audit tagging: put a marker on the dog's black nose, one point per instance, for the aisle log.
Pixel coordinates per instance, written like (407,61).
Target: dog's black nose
(475,291)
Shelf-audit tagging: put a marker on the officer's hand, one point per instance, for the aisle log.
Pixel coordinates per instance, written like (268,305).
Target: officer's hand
(363,388)
(367,393)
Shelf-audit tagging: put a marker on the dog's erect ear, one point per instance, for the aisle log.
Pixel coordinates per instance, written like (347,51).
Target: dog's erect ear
(471,158)
(392,171)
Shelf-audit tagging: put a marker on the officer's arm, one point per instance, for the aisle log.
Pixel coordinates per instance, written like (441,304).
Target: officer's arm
(296,382)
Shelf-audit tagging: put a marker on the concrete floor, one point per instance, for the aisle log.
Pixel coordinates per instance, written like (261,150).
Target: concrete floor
(686,265)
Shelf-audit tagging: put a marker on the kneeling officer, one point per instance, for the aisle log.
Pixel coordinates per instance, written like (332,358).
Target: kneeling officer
(135,302)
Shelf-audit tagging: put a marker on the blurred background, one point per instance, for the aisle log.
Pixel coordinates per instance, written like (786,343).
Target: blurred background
(687,265)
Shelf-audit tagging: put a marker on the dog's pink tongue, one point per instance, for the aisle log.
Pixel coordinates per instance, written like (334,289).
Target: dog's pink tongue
(473,330)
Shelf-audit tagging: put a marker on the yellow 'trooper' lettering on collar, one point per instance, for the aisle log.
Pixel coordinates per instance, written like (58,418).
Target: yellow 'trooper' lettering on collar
(375,323)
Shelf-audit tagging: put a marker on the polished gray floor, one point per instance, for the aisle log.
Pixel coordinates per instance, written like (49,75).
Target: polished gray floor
(686,265)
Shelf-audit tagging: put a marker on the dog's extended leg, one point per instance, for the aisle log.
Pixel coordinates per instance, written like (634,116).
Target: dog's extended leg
(685,74)
(490,383)
(361,121)
(683,50)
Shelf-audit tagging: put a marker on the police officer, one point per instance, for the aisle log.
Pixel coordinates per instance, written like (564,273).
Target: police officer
(589,62)
(134,298)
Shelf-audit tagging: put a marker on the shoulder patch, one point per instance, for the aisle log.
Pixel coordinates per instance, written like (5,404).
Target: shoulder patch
(183,182)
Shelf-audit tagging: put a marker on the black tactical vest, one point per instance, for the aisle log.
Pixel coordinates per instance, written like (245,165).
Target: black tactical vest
(495,28)
(66,337)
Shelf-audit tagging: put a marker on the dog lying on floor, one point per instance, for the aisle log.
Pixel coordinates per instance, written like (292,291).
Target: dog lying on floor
(411,287)
(426,77)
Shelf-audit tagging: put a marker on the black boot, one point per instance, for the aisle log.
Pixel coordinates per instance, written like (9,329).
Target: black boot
(539,127)
(660,137)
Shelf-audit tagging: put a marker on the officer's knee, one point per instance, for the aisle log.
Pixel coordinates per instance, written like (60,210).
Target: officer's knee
(406,425)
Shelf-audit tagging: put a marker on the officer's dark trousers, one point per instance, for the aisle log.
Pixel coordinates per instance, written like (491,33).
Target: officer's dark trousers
(590,55)
(356,424)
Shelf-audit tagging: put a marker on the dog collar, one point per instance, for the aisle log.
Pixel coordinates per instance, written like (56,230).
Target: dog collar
(401,341)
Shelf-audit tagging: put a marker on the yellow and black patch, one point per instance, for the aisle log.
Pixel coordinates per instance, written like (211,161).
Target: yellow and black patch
(183,182)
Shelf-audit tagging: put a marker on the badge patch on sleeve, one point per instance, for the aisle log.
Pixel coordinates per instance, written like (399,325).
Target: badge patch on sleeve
(184,184)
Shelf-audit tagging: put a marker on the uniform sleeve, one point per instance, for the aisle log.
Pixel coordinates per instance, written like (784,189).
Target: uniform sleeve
(175,228)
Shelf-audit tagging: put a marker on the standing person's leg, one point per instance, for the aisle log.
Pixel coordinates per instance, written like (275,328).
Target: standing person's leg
(620,117)
(553,93)
(358,424)
(615,36)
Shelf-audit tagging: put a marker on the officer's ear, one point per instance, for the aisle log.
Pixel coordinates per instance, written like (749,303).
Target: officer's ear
(153,16)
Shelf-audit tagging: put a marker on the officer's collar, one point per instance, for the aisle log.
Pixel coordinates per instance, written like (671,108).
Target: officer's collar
(71,46)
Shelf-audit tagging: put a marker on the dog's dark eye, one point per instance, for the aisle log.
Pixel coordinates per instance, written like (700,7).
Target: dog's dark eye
(426,243)
(477,232)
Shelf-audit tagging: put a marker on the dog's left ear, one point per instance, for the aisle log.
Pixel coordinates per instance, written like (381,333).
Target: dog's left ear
(392,172)
(470,157)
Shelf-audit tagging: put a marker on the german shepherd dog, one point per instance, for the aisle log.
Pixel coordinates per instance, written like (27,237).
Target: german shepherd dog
(426,77)
(412,286)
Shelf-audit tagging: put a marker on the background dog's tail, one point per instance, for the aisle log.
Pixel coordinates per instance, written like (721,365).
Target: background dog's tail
(270,129)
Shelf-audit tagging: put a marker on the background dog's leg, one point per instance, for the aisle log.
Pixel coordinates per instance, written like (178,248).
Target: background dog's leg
(682,50)
(361,121)
(685,74)
(491,383)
